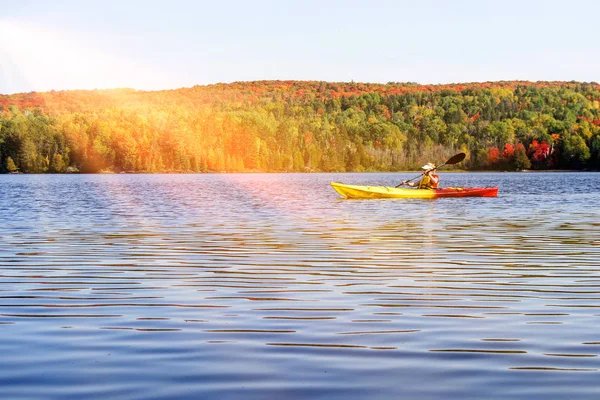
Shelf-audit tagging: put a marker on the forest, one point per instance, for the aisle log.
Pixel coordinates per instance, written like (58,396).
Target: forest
(303,126)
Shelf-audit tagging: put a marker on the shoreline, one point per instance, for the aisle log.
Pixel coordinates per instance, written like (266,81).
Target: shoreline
(295,172)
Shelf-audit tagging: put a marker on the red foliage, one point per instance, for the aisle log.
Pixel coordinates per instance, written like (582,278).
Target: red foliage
(534,144)
(541,152)
(492,156)
(22,100)
(509,151)
(591,121)
(475,117)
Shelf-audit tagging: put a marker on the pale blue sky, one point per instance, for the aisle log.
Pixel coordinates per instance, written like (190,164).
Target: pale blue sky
(147,44)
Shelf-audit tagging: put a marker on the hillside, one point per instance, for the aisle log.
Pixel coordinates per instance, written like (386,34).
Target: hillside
(303,126)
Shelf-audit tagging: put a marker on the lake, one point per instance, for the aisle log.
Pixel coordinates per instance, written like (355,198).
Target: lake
(269,286)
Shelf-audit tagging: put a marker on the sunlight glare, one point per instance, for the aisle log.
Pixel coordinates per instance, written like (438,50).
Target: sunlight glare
(46,59)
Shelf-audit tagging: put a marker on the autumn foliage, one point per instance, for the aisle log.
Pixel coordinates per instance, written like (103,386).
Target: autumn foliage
(509,151)
(303,126)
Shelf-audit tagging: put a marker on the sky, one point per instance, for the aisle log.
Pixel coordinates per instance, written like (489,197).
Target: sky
(168,44)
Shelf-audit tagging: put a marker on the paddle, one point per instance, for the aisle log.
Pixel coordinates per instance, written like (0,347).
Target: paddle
(451,161)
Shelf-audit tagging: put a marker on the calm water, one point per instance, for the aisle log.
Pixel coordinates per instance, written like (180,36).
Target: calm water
(266,286)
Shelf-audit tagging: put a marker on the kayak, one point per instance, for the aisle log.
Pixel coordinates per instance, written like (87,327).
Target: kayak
(382,192)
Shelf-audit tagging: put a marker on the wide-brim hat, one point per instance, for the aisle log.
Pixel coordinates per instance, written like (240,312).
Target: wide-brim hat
(428,166)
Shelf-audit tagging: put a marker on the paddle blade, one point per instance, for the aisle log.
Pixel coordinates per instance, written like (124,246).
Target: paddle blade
(456,159)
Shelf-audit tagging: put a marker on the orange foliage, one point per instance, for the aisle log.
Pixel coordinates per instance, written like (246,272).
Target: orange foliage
(508,152)
(251,92)
(492,156)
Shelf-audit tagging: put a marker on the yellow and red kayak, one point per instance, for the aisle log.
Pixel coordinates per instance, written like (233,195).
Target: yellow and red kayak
(383,192)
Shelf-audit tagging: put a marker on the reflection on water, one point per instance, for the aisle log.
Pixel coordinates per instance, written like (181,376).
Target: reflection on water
(271,286)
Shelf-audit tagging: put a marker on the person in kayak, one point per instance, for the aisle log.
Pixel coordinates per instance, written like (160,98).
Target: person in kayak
(430,179)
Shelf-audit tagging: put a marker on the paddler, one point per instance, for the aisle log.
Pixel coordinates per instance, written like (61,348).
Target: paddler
(430,179)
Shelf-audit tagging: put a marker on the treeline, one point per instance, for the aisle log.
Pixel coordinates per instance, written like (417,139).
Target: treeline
(303,126)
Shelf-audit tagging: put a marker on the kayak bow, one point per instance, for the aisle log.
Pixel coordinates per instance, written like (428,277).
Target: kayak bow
(382,192)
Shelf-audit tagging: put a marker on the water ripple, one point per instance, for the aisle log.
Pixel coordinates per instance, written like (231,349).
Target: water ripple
(269,286)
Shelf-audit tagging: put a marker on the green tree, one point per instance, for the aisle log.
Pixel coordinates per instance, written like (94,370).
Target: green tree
(57,163)
(575,151)
(595,151)
(520,159)
(10,165)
